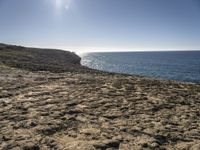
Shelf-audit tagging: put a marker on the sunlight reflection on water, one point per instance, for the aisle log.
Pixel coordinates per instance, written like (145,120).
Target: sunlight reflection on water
(181,66)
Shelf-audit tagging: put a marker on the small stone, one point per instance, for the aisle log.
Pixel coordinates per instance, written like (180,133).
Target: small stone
(107,144)
(75,111)
(123,129)
(160,139)
(6,138)
(118,138)
(154,145)
(30,146)
(195,147)
(145,145)
(33,124)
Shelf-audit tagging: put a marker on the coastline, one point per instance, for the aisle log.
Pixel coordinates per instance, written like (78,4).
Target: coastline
(176,65)
(81,108)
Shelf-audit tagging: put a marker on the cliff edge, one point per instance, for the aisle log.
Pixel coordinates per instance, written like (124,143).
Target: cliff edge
(36,59)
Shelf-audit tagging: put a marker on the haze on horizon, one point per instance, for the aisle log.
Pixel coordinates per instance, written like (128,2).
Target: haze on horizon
(101,25)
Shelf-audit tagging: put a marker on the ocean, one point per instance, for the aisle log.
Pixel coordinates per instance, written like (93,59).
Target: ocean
(176,65)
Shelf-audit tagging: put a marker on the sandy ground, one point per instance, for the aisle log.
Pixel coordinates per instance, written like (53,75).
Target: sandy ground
(88,111)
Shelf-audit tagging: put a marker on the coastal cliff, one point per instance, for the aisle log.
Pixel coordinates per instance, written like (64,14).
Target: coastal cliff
(35,59)
(49,101)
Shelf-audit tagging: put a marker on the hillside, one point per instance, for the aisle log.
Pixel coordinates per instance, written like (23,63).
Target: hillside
(36,59)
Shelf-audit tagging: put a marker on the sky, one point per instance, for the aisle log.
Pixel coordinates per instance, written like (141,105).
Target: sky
(101,25)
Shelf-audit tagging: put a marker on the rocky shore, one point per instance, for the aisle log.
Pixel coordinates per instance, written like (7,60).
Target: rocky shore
(71,107)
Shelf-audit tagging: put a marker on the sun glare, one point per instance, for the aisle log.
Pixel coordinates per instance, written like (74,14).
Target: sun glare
(58,3)
(62,4)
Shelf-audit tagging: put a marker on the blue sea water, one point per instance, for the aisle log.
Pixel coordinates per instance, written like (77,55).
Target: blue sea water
(179,65)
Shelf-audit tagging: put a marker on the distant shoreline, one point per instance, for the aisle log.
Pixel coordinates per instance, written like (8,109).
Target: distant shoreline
(140,51)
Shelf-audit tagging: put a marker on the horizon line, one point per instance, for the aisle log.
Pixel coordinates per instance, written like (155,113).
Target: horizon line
(98,49)
(116,51)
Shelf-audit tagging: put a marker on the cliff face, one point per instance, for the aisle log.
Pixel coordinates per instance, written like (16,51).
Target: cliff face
(35,59)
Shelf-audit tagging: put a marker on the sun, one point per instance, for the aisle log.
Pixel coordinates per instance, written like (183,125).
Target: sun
(58,3)
(62,4)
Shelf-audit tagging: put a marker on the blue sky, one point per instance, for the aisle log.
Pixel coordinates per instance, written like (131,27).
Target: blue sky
(102,25)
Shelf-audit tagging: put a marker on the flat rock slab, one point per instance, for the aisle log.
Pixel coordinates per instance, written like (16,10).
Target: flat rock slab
(91,110)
